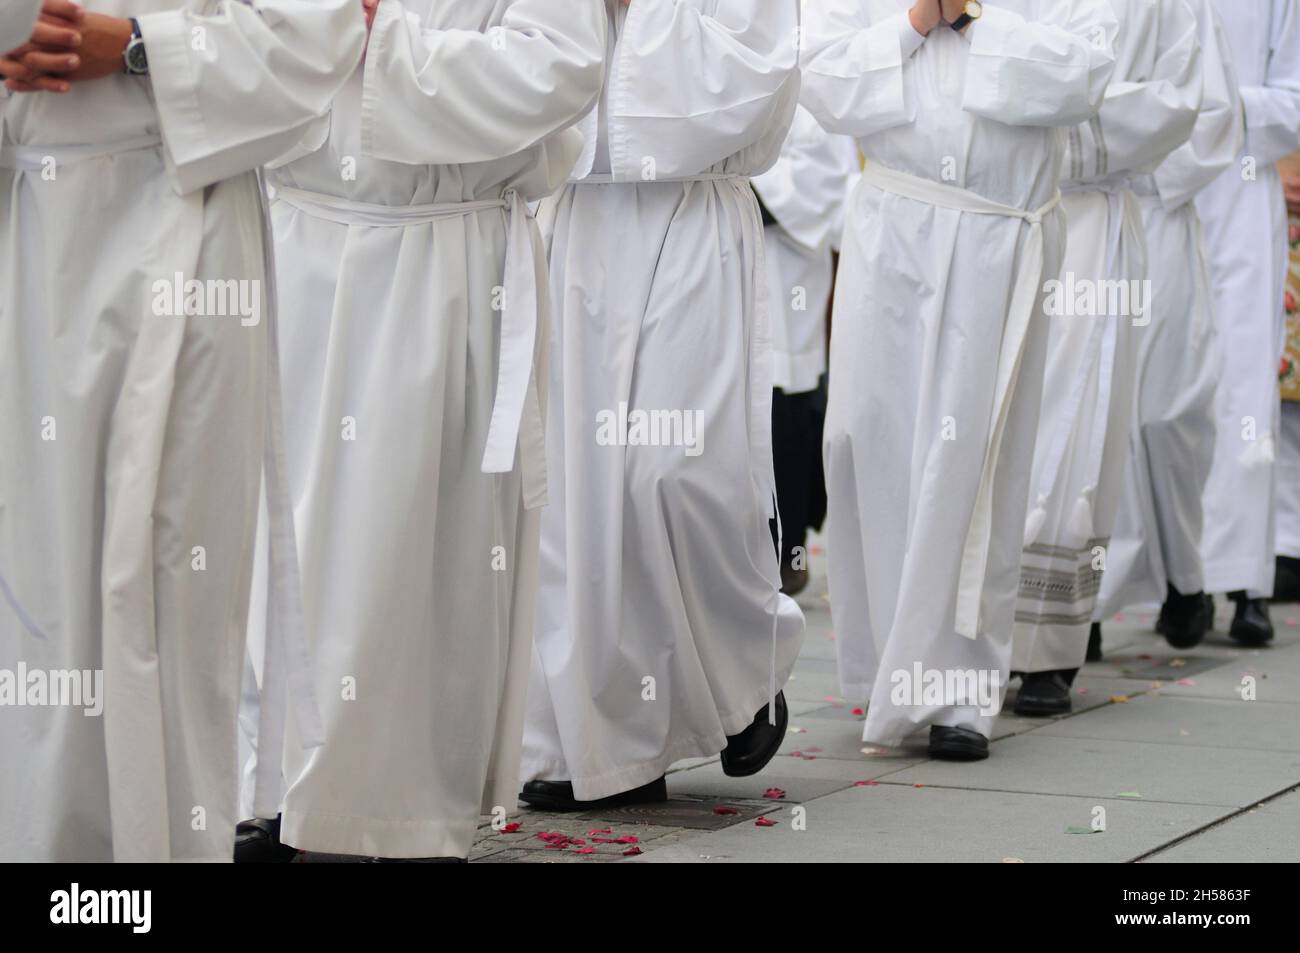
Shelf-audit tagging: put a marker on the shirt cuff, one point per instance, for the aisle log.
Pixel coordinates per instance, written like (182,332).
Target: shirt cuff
(908,39)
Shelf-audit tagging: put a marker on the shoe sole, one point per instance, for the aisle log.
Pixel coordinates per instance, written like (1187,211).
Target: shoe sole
(958,751)
(1250,641)
(1032,709)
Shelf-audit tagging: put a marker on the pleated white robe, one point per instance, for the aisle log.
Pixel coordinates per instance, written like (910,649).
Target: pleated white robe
(924,296)
(420,568)
(1080,458)
(660,627)
(16,22)
(126,533)
(805,192)
(1245,232)
(1157,534)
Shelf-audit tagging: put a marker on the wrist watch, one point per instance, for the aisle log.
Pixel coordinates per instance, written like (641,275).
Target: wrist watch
(137,61)
(972,11)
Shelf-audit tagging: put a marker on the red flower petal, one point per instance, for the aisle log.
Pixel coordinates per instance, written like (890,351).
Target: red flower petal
(774,794)
(511,827)
(725,810)
(631,851)
(764,822)
(865,784)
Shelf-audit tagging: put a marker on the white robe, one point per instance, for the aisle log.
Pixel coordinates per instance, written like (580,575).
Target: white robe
(127,539)
(1157,534)
(399,304)
(805,192)
(922,387)
(1245,232)
(1080,458)
(16,22)
(660,627)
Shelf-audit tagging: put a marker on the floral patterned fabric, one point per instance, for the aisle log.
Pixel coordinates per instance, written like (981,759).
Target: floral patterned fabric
(1289,372)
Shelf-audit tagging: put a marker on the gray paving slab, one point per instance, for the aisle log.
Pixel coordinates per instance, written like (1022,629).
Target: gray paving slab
(899,823)
(1174,720)
(1269,833)
(1180,773)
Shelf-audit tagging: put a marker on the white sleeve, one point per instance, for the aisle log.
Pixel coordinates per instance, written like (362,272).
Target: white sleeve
(16,22)
(1142,121)
(806,189)
(691,88)
(237,85)
(1273,108)
(856,73)
(1217,138)
(1051,71)
(440,97)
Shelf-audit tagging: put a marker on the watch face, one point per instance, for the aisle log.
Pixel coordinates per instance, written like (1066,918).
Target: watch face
(974,8)
(136,58)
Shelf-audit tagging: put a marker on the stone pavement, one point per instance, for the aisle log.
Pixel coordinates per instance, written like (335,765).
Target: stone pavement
(1161,740)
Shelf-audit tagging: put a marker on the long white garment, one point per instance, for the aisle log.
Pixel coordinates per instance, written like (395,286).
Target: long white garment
(805,192)
(1157,533)
(660,627)
(133,435)
(1245,233)
(936,362)
(16,22)
(413,293)
(1097,316)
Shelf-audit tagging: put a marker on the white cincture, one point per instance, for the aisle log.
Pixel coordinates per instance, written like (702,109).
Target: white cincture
(975,552)
(1125,217)
(516,412)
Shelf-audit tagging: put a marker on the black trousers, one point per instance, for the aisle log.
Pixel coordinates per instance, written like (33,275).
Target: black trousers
(797,423)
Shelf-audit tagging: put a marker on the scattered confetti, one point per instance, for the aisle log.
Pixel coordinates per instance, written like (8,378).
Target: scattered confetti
(631,851)
(628,839)
(720,809)
(859,711)
(797,731)
(918,785)
(764,822)
(1177,662)
(511,827)
(865,784)
(586,850)
(555,840)
(813,750)
(1128,794)
(1119,699)
(774,794)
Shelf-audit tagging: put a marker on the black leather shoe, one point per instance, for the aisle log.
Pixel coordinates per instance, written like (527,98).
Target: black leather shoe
(1286,579)
(258,842)
(1251,625)
(1094,643)
(558,796)
(957,744)
(1184,620)
(749,752)
(1043,694)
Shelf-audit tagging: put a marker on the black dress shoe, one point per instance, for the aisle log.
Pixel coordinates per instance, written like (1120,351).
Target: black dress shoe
(749,752)
(1286,579)
(258,842)
(1184,619)
(1094,643)
(957,744)
(1251,625)
(1043,694)
(558,796)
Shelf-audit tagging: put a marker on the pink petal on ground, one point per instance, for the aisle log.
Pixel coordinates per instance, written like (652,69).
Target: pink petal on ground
(774,794)
(865,784)
(858,711)
(631,851)
(720,809)
(764,822)
(587,850)
(511,827)
(600,830)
